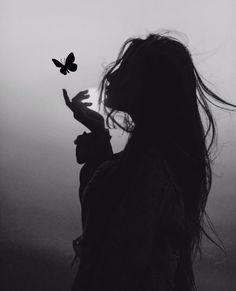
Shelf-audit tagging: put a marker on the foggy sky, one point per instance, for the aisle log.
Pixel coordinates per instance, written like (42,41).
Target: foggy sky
(39,174)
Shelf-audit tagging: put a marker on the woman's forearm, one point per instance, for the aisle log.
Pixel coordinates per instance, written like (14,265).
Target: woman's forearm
(92,149)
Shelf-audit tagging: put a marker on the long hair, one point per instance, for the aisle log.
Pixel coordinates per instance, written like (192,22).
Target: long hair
(175,115)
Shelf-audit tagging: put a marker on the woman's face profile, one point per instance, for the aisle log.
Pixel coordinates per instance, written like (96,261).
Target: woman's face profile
(124,85)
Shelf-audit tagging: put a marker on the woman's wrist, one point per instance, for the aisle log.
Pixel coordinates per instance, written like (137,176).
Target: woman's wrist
(93,146)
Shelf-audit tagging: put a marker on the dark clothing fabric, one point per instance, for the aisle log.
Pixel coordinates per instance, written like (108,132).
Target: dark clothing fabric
(132,233)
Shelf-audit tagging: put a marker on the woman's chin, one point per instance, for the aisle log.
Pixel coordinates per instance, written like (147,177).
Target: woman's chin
(112,105)
(108,103)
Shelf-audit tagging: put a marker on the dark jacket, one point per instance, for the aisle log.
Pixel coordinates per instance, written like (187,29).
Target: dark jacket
(133,230)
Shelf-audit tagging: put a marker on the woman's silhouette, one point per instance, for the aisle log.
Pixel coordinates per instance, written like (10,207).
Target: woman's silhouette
(143,209)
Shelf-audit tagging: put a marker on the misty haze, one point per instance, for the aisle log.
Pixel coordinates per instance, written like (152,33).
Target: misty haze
(40,209)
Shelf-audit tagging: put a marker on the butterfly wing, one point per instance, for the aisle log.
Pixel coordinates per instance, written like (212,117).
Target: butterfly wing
(70,59)
(63,70)
(69,64)
(72,67)
(57,63)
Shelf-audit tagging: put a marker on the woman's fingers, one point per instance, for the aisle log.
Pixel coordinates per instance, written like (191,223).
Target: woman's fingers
(87,103)
(81,96)
(66,98)
(76,102)
(88,117)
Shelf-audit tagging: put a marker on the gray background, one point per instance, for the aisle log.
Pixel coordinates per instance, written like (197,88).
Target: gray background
(40,212)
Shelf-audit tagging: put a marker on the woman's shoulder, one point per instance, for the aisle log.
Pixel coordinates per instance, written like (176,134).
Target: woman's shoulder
(165,191)
(158,178)
(110,163)
(152,160)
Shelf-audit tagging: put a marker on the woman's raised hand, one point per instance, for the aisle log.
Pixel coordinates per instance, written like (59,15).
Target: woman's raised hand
(88,117)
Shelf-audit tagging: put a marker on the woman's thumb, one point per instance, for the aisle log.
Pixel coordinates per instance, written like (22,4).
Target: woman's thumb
(66,98)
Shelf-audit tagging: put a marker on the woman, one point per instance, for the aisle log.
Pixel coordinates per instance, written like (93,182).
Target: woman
(143,209)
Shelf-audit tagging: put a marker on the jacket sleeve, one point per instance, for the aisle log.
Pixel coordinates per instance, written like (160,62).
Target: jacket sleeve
(92,149)
(140,251)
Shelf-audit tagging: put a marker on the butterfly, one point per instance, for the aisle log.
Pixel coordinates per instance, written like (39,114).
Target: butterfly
(68,66)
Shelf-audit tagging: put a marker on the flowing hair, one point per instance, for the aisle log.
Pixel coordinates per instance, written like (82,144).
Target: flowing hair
(167,59)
